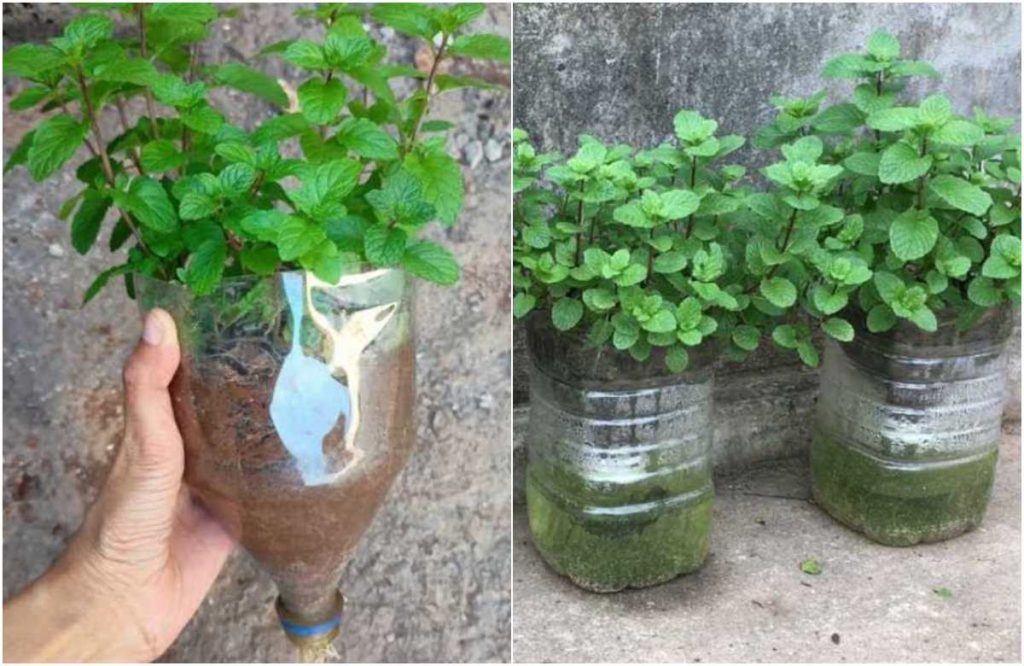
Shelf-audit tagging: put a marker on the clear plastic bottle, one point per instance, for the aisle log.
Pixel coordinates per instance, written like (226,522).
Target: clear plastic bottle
(295,400)
(619,487)
(908,428)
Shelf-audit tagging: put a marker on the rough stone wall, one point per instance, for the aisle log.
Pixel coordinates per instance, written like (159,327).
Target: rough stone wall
(431,579)
(622,71)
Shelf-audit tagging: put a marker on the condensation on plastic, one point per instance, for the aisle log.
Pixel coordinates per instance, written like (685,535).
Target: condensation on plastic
(908,426)
(614,445)
(295,401)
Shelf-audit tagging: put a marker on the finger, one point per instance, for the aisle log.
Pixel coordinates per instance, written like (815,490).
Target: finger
(152,442)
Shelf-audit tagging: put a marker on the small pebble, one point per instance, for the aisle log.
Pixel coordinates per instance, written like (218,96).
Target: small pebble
(56,250)
(492,150)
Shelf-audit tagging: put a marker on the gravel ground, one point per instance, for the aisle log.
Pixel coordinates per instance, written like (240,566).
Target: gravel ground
(752,603)
(431,581)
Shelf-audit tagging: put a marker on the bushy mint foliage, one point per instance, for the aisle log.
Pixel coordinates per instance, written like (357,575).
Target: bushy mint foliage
(197,199)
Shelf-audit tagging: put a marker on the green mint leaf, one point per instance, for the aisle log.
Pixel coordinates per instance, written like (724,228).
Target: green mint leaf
(196,206)
(934,111)
(136,71)
(663,321)
(367,139)
(483,46)
(864,164)
(401,200)
(746,337)
(280,128)
(523,304)
(982,292)
(205,266)
(692,128)
(174,91)
(632,215)
(958,133)
(461,14)
(306,54)
(881,318)
(85,227)
(324,261)
(913,234)
(566,313)
(779,291)
(785,336)
(883,46)
(599,299)
(203,119)
(148,202)
(53,144)
(236,152)
(102,279)
(805,149)
(322,101)
(924,319)
(847,66)
(347,44)
(839,119)
(431,261)
(263,224)
(828,302)
(411,19)
(86,30)
(896,119)
(900,163)
(440,178)
(838,328)
(889,286)
(677,204)
(162,155)
(249,80)
(236,179)
(960,194)
(297,236)
(28,98)
(260,259)
(808,354)
(670,262)
(384,246)
(32,61)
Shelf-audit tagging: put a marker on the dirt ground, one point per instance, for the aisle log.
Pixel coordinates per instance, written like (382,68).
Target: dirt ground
(431,581)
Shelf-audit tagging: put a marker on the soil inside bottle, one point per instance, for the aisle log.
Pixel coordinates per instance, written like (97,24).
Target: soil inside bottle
(303,535)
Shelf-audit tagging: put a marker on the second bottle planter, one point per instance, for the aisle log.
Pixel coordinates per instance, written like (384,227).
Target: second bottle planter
(908,429)
(619,487)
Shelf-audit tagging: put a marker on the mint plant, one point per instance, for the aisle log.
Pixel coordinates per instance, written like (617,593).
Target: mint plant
(927,201)
(632,246)
(197,199)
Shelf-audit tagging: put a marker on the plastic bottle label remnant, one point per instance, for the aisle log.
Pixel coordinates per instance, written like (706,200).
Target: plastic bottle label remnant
(308,399)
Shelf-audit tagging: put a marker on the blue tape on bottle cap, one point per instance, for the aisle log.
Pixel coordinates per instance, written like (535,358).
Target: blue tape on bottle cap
(314,630)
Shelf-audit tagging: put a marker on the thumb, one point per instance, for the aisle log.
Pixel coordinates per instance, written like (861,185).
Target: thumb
(153,445)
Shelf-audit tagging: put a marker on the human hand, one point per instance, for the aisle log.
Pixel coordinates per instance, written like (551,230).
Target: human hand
(145,555)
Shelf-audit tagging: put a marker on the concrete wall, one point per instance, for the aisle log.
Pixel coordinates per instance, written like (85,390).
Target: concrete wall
(622,71)
(431,578)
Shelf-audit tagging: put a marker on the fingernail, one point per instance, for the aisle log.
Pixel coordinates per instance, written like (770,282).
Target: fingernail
(152,330)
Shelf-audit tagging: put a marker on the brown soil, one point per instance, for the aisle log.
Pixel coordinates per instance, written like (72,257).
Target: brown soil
(235,462)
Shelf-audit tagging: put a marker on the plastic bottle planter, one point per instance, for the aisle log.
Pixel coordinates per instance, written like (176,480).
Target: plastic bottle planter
(908,427)
(295,400)
(618,482)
